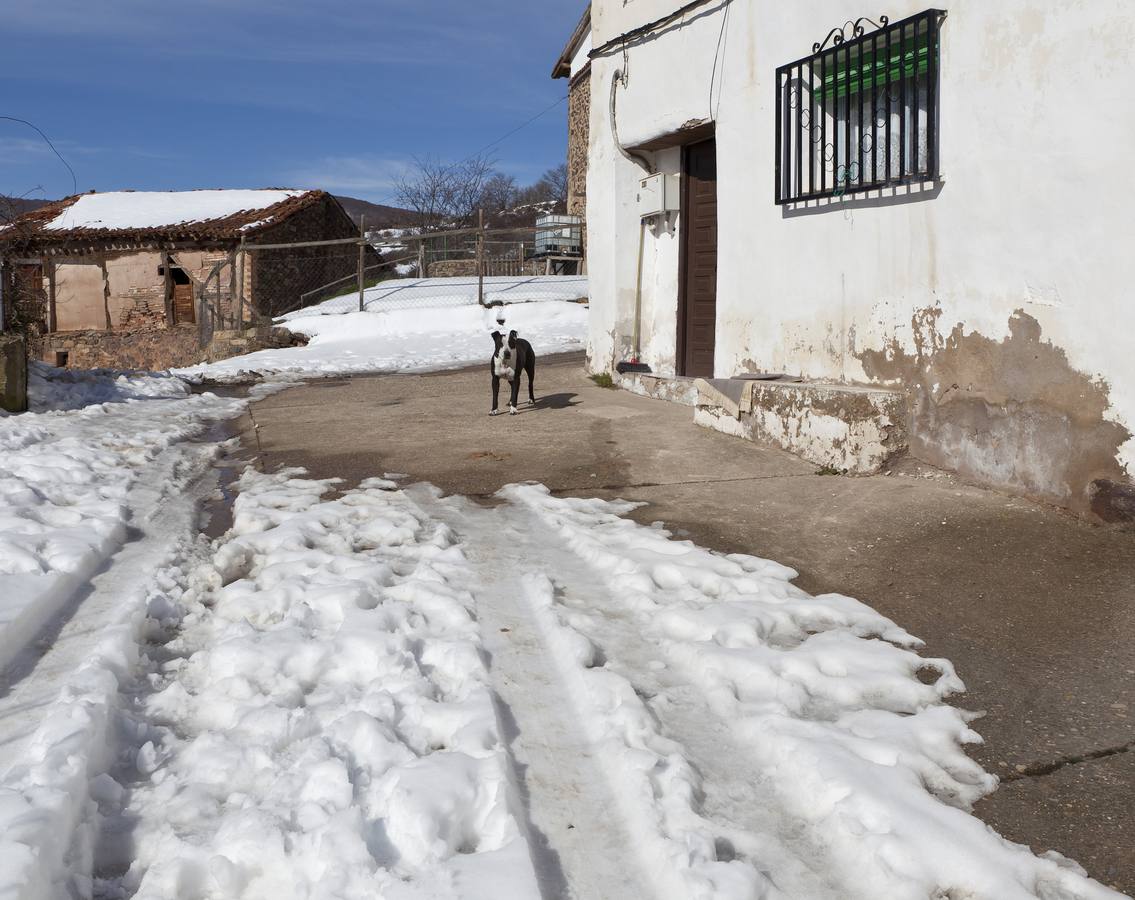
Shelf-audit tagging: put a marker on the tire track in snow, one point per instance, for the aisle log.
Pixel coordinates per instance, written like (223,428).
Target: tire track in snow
(738,802)
(580,846)
(165,500)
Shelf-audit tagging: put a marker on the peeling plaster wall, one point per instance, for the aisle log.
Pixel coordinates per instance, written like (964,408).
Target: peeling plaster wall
(1023,249)
(137,291)
(80,296)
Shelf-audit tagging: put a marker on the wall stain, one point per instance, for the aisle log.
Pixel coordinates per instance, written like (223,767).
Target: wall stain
(1012,413)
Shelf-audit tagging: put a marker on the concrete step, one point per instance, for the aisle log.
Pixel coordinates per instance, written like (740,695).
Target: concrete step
(674,388)
(847,428)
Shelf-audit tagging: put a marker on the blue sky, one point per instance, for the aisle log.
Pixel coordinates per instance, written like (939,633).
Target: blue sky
(263,93)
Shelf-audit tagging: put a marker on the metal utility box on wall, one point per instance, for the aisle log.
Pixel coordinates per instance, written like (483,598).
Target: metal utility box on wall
(659,194)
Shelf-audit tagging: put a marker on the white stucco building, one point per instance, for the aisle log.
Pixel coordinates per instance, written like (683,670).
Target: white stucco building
(937,203)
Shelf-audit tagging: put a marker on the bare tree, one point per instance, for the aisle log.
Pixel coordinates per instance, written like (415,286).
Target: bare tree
(556,182)
(499,194)
(548,194)
(445,194)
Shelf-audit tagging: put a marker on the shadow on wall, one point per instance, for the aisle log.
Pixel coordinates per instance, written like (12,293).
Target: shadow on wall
(1012,414)
(902,195)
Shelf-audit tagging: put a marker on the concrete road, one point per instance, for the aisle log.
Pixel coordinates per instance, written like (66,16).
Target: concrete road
(1036,608)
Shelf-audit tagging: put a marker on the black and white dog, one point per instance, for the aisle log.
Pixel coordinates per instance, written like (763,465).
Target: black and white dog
(511,356)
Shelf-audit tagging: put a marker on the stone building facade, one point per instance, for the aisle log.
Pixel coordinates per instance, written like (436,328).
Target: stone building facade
(145,279)
(575,65)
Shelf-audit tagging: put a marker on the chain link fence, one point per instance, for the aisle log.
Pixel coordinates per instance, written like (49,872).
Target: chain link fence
(399,269)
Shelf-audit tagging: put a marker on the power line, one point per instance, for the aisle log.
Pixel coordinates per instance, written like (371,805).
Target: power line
(47,140)
(490,146)
(518,128)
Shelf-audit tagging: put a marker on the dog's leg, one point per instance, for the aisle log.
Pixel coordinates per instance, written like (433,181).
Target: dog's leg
(496,394)
(514,396)
(530,368)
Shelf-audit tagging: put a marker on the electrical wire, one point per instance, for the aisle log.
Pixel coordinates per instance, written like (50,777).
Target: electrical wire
(47,140)
(500,140)
(505,137)
(717,56)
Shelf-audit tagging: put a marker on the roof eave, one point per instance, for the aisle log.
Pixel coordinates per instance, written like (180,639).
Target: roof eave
(562,68)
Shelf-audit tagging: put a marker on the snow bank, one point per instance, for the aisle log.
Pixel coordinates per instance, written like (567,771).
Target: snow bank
(48,820)
(120,210)
(864,756)
(51,389)
(64,478)
(406,340)
(434,293)
(322,724)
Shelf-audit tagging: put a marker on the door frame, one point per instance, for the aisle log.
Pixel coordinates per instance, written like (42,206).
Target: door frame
(684,254)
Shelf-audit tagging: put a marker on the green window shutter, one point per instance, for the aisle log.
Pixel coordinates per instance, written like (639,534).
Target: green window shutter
(874,69)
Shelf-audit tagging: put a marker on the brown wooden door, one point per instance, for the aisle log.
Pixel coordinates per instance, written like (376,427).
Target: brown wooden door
(697,312)
(183,304)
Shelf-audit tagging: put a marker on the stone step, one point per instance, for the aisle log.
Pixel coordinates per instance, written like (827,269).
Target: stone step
(847,428)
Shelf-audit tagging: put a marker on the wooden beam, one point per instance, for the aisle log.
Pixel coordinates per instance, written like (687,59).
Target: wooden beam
(49,270)
(166,265)
(105,292)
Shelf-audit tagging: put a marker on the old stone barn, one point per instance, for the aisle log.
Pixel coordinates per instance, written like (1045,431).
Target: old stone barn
(134,279)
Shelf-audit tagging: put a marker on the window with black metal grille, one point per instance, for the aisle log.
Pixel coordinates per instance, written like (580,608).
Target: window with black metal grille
(860,113)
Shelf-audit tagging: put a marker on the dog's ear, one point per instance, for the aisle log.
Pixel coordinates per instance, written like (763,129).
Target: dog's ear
(512,338)
(497,339)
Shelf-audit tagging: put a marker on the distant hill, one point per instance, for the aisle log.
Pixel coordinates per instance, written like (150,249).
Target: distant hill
(10,207)
(378,216)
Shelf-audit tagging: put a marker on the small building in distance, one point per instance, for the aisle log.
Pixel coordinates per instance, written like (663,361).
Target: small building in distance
(143,279)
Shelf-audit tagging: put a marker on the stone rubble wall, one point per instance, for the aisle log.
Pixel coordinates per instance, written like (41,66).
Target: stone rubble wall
(13,373)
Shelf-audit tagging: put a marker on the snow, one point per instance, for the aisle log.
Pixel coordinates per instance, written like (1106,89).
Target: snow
(406,340)
(51,389)
(822,698)
(126,210)
(434,293)
(64,477)
(322,723)
(383,692)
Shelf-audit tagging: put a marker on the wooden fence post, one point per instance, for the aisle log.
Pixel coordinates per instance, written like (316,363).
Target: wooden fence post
(362,262)
(481,257)
(240,285)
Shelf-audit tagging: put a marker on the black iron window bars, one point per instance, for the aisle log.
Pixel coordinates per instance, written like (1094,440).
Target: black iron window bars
(860,113)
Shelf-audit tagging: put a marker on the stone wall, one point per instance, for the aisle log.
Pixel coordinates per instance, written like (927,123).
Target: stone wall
(151,349)
(579,128)
(280,277)
(13,373)
(467,268)
(155,349)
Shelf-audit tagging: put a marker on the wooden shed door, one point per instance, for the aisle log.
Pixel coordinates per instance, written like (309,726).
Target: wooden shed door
(697,312)
(183,313)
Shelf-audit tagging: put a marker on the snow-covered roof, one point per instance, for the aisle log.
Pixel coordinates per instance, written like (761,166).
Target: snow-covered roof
(122,210)
(207,213)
